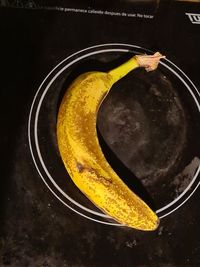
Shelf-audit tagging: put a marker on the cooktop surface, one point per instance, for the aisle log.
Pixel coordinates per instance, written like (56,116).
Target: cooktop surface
(148,128)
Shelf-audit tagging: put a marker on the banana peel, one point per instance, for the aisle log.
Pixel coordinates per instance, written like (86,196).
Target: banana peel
(81,152)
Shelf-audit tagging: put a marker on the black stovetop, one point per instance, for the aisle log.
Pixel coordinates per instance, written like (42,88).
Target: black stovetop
(36,228)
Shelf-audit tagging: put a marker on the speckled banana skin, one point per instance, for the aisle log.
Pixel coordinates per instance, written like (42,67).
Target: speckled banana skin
(82,156)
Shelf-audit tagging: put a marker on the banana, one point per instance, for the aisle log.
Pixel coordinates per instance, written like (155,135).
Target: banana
(81,153)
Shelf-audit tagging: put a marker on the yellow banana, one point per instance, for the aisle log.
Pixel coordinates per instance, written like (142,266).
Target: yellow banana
(81,153)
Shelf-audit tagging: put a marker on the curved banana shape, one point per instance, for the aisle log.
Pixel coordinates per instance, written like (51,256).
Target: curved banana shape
(81,152)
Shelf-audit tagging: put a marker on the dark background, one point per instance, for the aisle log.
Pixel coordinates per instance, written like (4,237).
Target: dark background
(37,230)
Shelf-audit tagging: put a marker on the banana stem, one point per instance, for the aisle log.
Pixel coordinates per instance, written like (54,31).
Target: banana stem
(149,62)
(124,69)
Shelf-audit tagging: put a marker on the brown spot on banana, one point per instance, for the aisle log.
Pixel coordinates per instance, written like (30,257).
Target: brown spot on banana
(80,167)
(98,178)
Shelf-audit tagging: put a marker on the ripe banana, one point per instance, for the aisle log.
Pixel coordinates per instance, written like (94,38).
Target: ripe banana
(81,153)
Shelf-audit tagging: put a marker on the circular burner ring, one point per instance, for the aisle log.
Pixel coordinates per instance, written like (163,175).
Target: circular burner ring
(33,131)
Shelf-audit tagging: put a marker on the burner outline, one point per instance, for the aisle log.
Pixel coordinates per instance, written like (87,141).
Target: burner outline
(128,48)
